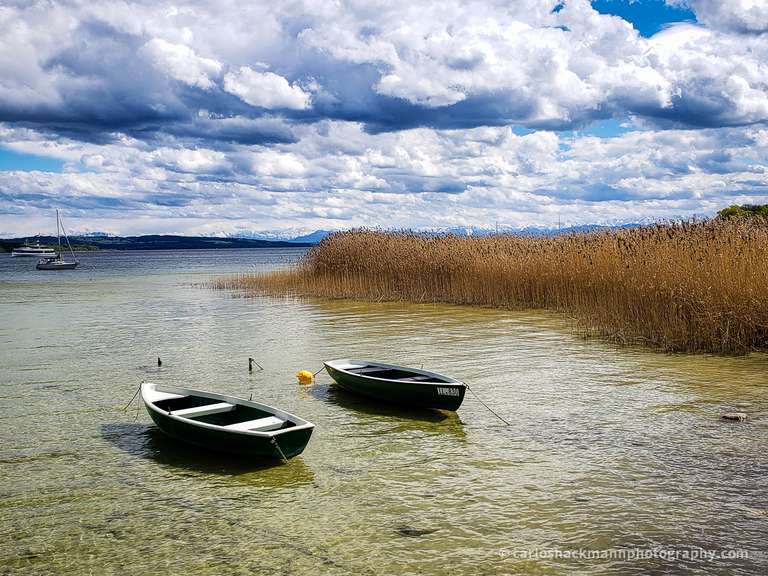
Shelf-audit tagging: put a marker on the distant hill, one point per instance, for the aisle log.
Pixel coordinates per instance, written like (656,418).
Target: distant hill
(152,242)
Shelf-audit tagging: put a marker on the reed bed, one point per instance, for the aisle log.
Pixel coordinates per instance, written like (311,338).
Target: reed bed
(682,287)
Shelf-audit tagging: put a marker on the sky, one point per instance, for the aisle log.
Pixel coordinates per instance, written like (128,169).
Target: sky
(226,117)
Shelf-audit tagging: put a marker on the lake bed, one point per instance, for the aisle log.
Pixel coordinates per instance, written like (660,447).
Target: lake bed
(608,449)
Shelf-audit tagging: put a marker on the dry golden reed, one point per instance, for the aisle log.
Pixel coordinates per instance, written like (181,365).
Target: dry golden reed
(691,286)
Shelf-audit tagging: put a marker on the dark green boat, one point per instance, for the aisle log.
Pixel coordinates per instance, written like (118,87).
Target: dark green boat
(396,384)
(226,423)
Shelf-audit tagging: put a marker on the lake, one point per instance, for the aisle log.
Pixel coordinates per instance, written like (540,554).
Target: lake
(612,451)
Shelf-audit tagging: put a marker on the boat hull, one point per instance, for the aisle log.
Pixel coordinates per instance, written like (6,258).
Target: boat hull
(292,443)
(60,266)
(16,254)
(439,396)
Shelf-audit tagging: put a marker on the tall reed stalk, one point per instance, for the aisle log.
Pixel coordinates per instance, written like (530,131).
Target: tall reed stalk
(690,286)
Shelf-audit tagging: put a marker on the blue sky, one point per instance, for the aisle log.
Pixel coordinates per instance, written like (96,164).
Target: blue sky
(12,161)
(205,117)
(647,16)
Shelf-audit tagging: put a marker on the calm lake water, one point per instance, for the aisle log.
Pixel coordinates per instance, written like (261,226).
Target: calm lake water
(607,448)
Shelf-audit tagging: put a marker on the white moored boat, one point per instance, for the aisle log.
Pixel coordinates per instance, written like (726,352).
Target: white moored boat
(33,250)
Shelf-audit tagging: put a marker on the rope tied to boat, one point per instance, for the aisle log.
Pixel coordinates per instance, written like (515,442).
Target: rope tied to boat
(138,404)
(273,441)
(486,405)
(133,397)
(306,377)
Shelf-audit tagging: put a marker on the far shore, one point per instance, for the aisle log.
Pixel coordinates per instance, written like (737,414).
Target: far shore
(150,242)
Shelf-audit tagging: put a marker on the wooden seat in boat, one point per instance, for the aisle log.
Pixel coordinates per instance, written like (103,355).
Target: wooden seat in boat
(258,425)
(204,410)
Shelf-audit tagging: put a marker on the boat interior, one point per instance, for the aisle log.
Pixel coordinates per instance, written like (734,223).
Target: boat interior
(233,417)
(392,374)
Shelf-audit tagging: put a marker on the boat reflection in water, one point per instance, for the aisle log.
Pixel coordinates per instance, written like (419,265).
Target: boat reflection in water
(150,443)
(386,418)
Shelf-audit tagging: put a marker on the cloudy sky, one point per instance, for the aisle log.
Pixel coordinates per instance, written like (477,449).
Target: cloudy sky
(226,116)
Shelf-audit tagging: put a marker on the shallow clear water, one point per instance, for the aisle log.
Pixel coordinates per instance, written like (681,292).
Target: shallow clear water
(607,448)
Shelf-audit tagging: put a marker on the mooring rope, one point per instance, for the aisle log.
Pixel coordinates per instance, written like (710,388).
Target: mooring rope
(279,449)
(133,397)
(138,404)
(486,405)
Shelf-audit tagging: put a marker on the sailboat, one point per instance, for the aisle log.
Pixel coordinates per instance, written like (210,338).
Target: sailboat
(55,262)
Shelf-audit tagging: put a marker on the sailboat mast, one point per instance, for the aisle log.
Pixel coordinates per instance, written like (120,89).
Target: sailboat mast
(58,234)
(66,237)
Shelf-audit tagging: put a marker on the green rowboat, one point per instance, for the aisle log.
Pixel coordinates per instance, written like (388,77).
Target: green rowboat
(411,387)
(225,423)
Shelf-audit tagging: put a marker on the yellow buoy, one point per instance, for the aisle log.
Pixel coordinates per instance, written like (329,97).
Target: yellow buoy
(305,377)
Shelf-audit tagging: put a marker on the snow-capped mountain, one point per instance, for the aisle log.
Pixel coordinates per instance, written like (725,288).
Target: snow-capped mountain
(286,235)
(310,236)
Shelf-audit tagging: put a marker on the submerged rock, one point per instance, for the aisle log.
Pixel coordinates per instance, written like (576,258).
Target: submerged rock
(412,531)
(736,416)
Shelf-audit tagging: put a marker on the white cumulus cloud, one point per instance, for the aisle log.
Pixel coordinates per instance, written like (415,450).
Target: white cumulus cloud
(734,15)
(265,89)
(181,63)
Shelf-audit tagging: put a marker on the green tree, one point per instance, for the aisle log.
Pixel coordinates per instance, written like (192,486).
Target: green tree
(744,211)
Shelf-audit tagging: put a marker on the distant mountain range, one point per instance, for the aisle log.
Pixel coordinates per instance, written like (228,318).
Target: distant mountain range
(294,235)
(540,230)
